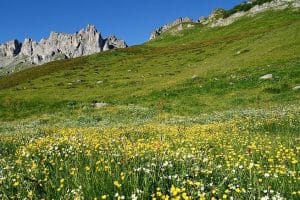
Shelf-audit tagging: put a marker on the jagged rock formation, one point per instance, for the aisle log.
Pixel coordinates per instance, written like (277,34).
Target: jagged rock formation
(10,49)
(216,14)
(167,27)
(58,46)
(220,17)
(113,42)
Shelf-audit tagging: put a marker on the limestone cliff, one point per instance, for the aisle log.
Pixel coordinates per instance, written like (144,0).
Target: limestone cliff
(58,46)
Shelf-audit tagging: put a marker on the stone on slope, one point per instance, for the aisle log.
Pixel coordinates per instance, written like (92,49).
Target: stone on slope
(194,76)
(99,105)
(266,77)
(296,88)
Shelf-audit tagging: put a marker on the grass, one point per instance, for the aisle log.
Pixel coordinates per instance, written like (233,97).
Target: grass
(187,117)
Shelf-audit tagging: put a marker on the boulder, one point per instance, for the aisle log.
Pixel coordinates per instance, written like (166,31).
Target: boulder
(296,88)
(266,77)
(99,105)
(194,76)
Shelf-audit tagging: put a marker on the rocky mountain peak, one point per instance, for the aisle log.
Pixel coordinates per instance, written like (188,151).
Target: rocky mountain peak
(58,46)
(91,28)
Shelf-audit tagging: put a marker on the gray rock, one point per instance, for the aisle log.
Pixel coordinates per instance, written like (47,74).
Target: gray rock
(273,5)
(179,28)
(266,77)
(167,27)
(100,105)
(296,4)
(10,49)
(194,76)
(37,59)
(28,47)
(190,26)
(112,42)
(203,20)
(216,14)
(296,88)
(58,46)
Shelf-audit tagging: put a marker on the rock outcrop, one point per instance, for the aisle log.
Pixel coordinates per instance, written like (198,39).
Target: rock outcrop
(167,27)
(10,49)
(58,46)
(221,17)
(112,42)
(225,21)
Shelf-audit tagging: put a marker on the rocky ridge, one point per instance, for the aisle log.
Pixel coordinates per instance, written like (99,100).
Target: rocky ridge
(58,46)
(275,5)
(218,16)
(167,27)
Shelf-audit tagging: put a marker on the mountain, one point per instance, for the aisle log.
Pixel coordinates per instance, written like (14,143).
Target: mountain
(58,46)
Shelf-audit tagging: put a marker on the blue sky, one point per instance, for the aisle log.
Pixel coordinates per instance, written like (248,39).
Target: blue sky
(131,20)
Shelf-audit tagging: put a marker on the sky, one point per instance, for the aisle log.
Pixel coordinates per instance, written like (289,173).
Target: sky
(130,20)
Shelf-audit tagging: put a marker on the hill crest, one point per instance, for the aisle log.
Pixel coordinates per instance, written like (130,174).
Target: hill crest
(222,17)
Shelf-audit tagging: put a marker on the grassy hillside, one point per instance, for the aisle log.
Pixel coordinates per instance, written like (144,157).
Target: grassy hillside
(187,117)
(162,70)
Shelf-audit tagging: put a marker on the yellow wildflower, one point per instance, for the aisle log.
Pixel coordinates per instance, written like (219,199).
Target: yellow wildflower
(117,184)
